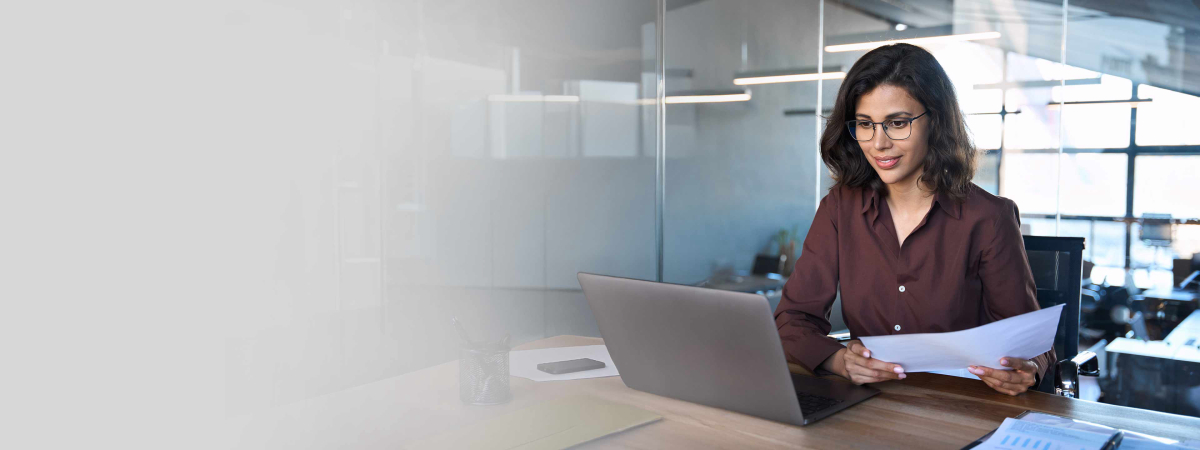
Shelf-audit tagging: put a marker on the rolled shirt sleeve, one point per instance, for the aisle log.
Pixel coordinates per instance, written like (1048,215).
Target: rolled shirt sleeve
(1008,288)
(802,316)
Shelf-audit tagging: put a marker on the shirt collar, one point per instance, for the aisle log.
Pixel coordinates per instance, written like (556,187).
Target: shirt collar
(952,208)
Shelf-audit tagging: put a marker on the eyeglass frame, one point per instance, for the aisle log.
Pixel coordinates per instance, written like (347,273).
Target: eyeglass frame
(850,127)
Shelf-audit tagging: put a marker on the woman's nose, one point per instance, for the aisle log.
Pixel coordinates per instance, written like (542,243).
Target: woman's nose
(881,140)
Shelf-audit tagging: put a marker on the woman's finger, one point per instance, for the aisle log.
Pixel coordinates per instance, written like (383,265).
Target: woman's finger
(1023,365)
(1002,386)
(877,375)
(878,368)
(893,369)
(999,375)
(997,386)
(858,349)
(866,375)
(1021,378)
(862,372)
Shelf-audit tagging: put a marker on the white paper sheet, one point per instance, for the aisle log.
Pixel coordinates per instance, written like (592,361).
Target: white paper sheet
(1132,441)
(523,363)
(1019,434)
(1023,336)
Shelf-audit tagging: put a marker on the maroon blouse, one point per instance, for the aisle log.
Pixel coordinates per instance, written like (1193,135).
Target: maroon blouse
(963,266)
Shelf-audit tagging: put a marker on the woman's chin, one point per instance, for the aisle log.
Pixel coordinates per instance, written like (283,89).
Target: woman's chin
(887,177)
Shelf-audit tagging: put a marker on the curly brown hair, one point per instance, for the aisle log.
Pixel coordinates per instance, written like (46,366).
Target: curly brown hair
(950,162)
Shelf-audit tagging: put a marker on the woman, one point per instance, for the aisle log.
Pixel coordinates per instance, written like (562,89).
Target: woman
(912,244)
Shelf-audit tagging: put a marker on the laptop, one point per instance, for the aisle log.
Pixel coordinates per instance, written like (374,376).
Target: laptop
(707,346)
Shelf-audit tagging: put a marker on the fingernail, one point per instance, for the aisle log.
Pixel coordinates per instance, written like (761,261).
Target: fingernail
(902,376)
(1004,362)
(866,354)
(899,369)
(976,371)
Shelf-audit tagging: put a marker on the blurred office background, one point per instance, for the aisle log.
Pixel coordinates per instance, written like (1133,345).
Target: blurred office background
(469,157)
(322,185)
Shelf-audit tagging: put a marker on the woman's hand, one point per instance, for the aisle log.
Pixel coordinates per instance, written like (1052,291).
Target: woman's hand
(1011,382)
(858,366)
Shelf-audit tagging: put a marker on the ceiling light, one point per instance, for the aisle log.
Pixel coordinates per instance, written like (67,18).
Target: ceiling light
(1130,103)
(1038,83)
(788,75)
(914,41)
(917,36)
(708,96)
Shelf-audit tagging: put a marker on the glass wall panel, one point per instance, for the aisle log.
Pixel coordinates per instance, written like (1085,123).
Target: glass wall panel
(1150,46)
(463,159)
(738,173)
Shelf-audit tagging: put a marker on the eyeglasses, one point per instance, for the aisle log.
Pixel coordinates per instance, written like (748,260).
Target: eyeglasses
(896,129)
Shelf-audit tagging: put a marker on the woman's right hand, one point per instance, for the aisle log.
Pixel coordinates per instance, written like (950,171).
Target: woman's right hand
(859,367)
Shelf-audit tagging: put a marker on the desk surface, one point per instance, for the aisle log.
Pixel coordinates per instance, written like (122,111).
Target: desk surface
(922,411)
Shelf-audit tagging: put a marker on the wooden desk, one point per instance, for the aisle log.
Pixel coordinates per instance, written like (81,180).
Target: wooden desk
(922,411)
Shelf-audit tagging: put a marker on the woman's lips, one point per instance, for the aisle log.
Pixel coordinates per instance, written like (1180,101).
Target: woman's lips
(888,163)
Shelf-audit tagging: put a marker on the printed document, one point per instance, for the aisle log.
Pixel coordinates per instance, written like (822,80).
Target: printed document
(1024,336)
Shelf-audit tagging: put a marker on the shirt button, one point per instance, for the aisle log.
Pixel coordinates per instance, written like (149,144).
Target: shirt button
(901,288)
(897,327)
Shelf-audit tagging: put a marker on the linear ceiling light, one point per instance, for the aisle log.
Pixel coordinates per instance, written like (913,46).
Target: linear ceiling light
(1130,103)
(914,41)
(1038,83)
(533,98)
(911,35)
(708,96)
(788,75)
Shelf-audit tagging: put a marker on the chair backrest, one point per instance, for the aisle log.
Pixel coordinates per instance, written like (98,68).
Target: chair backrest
(1057,264)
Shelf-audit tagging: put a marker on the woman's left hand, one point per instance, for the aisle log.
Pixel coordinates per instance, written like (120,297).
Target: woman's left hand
(1011,382)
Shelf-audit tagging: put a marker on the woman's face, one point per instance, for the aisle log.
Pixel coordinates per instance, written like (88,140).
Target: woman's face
(896,161)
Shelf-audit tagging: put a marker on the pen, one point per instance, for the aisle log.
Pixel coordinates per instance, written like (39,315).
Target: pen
(1114,441)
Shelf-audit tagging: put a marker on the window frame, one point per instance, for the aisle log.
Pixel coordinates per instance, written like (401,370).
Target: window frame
(1132,151)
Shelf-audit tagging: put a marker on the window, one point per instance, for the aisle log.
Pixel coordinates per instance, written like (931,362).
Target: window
(1091,184)
(985,131)
(1032,129)
(1110,87)
(1158,122)
(1167,184)
(1103,125)
(969,64)
(986,174)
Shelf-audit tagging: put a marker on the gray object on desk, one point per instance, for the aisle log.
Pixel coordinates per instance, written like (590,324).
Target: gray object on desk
(707,346)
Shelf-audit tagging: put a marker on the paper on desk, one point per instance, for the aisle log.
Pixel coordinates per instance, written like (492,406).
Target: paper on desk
(1133,440)
(1014,434)
(1024,336)
(523,363)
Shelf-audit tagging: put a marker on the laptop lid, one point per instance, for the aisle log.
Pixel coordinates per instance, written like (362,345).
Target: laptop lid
(717,348)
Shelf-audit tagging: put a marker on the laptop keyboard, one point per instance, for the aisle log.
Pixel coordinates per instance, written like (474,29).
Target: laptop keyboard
(810,404)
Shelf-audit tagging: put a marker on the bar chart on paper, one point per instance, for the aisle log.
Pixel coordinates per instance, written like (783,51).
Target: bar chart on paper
(1013,442)
(1015,434)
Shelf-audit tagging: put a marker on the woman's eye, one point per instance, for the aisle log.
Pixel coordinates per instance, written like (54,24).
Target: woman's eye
(898,124)
(864,124)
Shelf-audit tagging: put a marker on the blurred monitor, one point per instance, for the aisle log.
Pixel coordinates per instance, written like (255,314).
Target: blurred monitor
(1156,229)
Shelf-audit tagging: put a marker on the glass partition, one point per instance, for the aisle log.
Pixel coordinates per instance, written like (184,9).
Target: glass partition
(738,173)
(476,156)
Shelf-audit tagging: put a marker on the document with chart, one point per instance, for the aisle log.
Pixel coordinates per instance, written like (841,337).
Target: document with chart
(1023,336)
(1019,434)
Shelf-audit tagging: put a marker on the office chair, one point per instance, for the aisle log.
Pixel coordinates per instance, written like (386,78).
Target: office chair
(1057,264)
